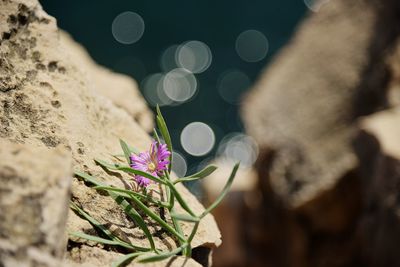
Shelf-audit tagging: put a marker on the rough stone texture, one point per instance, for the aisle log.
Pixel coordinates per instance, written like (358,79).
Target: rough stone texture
(341,64)
(34,196)
(92,257)
(51,97)
(119,88)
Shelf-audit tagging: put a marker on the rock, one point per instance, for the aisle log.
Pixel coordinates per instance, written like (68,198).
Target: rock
(245,179)
(232,213)
(303,114)
(379,149)
(34,197)
(50,98)
(92,256)
(119,88)
(302,110)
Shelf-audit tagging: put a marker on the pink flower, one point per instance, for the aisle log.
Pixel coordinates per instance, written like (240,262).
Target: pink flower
(153,162)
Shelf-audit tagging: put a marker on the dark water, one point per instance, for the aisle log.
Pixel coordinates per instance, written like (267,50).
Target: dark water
(216,23)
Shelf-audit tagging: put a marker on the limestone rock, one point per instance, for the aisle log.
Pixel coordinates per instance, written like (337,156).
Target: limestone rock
(119,88)
(50,98)
(34,197)
(92,257)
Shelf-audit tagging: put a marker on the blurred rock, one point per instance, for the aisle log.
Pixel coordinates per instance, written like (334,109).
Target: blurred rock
(303,114)
(51,96)
(232,213)
(378,146)
(302,109)
(245,179)
(34,197)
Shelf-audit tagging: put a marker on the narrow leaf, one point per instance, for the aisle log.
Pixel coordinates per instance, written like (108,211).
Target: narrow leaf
(179,198)
(128,169)
(223,193)
(128,194)
(162,126)
(111,166)
(129,210)
(127,151)
(124,259)
(94,238)
(161,256)
(156,218)
(185,217)
(106,231)
(199,175)
(178,229)
(88,178)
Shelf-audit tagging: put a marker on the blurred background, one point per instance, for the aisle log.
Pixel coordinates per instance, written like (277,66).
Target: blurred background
(194,58)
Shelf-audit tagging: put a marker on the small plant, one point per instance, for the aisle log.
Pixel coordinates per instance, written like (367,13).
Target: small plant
(153,166)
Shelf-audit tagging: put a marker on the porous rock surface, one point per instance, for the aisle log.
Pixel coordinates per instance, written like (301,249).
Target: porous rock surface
(34,196)
(53,96)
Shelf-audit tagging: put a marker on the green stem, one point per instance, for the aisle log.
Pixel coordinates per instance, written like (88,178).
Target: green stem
(190,239)
(179,198)
(155,217)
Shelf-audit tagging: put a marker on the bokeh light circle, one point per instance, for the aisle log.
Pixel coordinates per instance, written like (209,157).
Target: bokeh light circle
(179,85)
(168,58)
(197,138)
(315,5)
(195,56)
(127,27)
(252,45)
(153,90)
(238,147)
(179,165)
(231,84)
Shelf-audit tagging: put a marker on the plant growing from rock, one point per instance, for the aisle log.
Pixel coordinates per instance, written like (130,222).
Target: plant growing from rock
(153,166)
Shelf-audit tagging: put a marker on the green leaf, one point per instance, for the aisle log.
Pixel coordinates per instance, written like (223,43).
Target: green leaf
(161,256)
(156,218)
(106,231)
(199,175)
(118,156)
(178,228)
(94,238)
(128,194)
(124,259)
(88,178)
(179,198)
(129,210)
(118,167)
(162,126)
(92,220)
(111,166)
(193,233)
(133,150)
(223,193)
(155,134)
(127,151)
(184,217)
